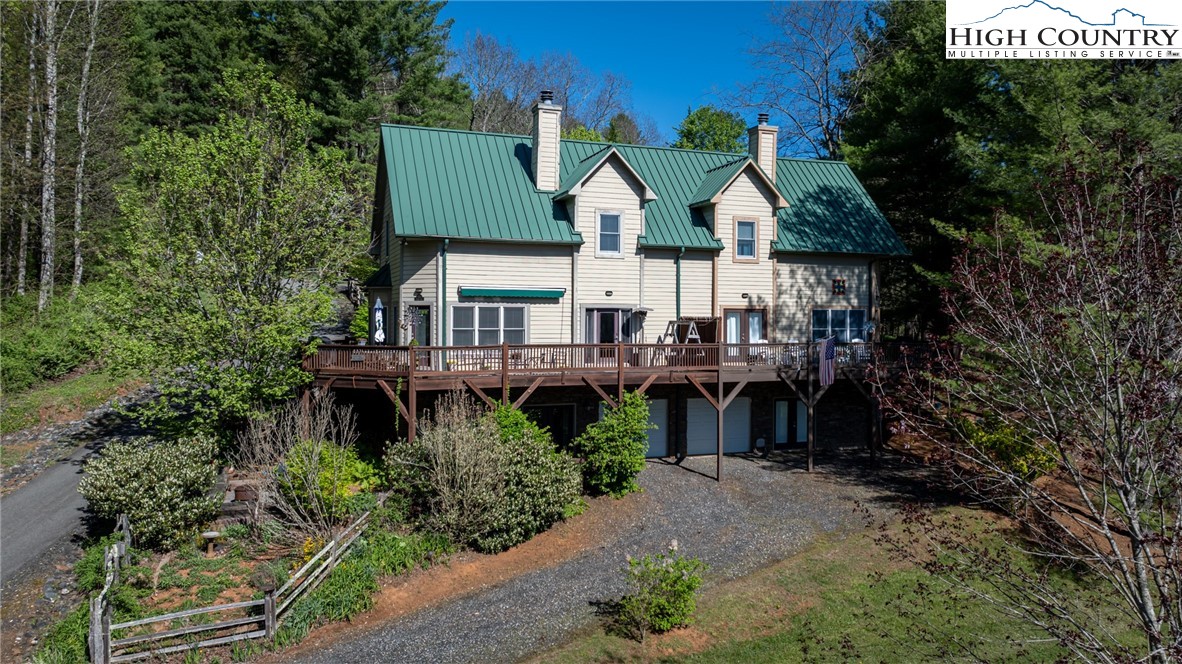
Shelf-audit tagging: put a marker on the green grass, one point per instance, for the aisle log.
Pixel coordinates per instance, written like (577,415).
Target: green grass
(69,397)
(840,600)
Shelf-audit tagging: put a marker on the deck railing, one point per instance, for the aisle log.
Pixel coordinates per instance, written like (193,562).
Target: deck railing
(542,359)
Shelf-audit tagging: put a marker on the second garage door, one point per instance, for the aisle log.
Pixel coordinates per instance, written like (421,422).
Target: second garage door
(702,427)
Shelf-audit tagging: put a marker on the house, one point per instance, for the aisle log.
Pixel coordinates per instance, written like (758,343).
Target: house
(564,266)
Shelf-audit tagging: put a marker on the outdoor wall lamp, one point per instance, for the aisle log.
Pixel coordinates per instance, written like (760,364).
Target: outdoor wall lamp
(419,294)
(745,295)
(607,293)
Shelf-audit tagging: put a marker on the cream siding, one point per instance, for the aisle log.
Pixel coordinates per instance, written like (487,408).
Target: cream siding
(419,259)
(610,188)
(547,119)
(516,266)
(746,198)
(806,282)
(660,288)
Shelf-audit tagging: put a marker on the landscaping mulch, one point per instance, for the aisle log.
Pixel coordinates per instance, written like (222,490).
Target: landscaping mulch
(501,608)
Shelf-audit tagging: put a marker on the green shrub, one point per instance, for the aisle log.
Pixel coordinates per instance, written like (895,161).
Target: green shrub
(36,347)
(541,483)
(663,593)
(614,448)
(1014,452)
(487,481)
(162,487)
(359,326)
(325,477)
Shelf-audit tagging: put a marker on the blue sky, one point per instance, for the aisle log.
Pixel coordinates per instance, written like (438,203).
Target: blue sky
(677,54)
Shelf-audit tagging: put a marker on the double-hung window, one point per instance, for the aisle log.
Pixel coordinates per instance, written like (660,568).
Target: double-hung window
(610,234)
(845,324)
(746,239)
(487,324)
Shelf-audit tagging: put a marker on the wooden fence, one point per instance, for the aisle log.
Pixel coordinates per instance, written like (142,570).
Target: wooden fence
(264,615)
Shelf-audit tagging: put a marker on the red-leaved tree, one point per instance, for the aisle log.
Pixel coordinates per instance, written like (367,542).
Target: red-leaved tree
(1057,400)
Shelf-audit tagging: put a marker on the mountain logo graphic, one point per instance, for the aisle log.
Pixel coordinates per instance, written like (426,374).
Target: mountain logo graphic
(1122,14)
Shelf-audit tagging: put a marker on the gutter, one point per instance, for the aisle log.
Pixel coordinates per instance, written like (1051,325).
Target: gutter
(443,294)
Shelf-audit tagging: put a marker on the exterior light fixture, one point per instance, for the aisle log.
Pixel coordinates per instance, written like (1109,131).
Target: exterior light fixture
(419,294)
(745,295)
(607,293)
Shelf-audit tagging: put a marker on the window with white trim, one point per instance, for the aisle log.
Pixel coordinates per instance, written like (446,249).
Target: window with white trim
(745,240)
(487,324)
(610,234)
(846,324)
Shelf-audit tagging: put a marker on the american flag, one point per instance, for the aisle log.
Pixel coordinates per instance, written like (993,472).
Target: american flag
(828,360)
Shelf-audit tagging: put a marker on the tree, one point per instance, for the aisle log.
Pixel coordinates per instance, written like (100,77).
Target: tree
(809,74)
(1061,406)
(83,116)
(623,129)
(581,133)
(902,141)
(53,33)
(233,239)
(710,128)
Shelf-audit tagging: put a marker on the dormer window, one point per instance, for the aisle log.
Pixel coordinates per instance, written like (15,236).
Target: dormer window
(609,234)
(746,236)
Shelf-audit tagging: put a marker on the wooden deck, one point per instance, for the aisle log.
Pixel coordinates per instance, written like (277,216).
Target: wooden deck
(606,368)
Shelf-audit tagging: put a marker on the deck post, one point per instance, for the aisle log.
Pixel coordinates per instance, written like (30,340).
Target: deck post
(504,372)
(812,402)
(719,407)
(411,398)
(619,372)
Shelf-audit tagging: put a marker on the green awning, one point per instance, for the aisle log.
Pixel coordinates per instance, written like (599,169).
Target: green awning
(491,291)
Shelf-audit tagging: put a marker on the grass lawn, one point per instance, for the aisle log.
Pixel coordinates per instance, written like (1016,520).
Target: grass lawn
(58,401)
(840,600)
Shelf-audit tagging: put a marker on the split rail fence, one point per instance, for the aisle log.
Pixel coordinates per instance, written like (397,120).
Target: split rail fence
(262,619)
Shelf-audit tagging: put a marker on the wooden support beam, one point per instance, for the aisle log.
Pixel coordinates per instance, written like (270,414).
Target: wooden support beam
(394,398)
(620,370)
(521,399)
(811,402)
(734,393)
(603,395)
(412,393)
(328,385)
(480,393)
(704,391)
(721,406)
(792,385)
(505,372)
(648,381)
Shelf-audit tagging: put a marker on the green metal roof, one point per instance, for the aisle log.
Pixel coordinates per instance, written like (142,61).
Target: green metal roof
(479,186)
(491,291)
(462,184)
(716,178)
(830,212)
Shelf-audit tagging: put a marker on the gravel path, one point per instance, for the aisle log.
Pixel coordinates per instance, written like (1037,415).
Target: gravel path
(762,512)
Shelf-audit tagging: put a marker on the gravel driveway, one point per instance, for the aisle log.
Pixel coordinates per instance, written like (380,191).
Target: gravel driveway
(762,512)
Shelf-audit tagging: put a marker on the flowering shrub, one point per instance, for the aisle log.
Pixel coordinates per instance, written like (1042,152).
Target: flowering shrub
(162,486)
(663,593)
(323,478)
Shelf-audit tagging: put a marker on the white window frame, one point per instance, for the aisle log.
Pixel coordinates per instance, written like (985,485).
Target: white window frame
(754,257)
(500,307)
(599,251)
(858,334)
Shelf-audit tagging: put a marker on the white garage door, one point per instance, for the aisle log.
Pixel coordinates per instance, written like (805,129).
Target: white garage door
(702,427)
(658,438)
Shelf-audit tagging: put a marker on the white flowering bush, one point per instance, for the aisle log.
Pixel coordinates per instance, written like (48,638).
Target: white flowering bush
(663,593)
(162,487)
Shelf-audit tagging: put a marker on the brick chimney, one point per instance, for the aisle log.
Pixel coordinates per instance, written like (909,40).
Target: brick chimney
(761,142)
(546,133)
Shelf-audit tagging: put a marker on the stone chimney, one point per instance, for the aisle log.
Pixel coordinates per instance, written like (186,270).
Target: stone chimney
(761,142)
(546,133)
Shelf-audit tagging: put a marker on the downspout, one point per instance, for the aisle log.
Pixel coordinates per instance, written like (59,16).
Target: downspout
(443,295)
(680,252)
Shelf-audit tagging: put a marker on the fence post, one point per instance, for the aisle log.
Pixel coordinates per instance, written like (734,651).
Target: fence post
(97,651)
(106,631)
(269,614)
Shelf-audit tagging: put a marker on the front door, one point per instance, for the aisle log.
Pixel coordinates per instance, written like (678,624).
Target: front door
(418,325)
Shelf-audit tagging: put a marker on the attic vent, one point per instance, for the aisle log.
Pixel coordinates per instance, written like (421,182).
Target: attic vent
(547,96)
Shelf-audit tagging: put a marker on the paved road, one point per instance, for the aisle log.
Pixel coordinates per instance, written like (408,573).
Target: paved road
(41,514)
